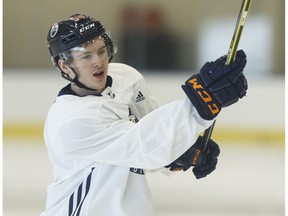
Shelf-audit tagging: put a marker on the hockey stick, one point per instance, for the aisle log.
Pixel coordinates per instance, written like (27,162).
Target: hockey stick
(230,56)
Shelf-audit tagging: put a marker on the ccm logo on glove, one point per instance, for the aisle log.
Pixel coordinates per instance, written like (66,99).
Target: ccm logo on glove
(205,96)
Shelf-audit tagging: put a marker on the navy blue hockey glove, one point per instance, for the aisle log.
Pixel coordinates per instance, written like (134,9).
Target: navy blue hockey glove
(217,85)
(204,162)
(192,157)
(212,152)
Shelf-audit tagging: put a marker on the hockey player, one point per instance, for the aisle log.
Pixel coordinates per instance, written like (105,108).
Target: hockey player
(105,130)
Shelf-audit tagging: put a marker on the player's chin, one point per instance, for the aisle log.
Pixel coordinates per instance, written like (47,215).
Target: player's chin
(99,83)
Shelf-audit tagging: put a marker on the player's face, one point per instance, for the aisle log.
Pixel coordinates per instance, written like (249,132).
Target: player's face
(91,63)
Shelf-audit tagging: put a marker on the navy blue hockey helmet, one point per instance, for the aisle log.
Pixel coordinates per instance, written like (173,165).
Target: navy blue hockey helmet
(76,30)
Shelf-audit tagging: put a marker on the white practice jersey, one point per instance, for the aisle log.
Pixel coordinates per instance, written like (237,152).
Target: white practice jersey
(100,146)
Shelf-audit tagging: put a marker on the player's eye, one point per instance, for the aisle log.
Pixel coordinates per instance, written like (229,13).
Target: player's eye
(86,56)
(102,51)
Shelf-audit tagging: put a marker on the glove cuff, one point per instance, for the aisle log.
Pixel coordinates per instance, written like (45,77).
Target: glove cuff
(207,106)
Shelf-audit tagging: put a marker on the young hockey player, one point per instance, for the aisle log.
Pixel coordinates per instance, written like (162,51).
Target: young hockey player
(105,130)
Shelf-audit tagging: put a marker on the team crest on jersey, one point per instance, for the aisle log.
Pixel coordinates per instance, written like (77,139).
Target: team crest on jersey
(111,94)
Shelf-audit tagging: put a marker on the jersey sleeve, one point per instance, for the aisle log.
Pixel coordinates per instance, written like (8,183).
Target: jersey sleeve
(156,140)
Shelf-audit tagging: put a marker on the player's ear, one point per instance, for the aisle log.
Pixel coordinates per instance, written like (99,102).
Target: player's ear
(65,69)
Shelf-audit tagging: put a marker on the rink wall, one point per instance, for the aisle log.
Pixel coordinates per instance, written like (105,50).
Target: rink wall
(27,96)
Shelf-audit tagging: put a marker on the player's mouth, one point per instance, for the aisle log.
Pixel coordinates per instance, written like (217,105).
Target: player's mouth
(99,74)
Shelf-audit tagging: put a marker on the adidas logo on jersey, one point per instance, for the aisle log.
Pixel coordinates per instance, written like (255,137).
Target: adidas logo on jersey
(140,97)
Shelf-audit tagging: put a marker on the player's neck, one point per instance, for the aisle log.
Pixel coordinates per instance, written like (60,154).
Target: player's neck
(84,92)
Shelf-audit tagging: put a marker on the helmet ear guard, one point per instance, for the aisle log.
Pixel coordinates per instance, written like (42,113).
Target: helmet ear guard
(111,47)
(64,75)
(75,79)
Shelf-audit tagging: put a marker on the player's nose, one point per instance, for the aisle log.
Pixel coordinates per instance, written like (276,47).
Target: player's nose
(96,61)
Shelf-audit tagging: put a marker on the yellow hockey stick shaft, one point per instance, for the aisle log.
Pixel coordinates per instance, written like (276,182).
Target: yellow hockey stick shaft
(230,56)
